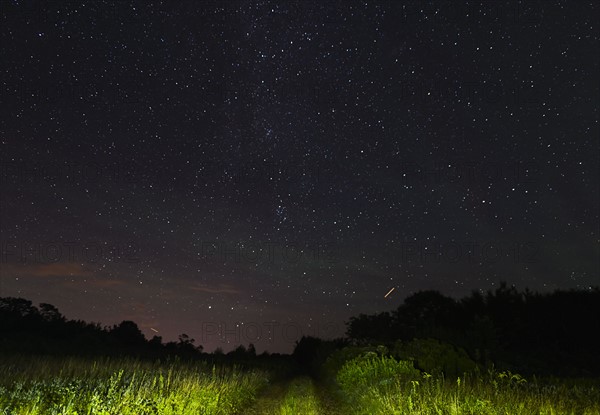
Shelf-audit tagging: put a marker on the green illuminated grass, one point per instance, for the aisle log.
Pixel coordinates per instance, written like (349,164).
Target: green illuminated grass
(376,385)
(125,387)
(370,384)
(300,399)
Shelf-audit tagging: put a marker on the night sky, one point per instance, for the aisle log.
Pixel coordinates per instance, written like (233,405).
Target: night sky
(251,171)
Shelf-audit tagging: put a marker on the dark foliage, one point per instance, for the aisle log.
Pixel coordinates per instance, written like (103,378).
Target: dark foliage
(554,333)
(25,328)
(311,353)
(29,330)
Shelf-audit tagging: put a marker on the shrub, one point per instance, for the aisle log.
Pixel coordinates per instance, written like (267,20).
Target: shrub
(434,356)
(369,369)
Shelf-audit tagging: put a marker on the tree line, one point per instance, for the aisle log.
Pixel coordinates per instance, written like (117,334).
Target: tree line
(550,333)
(27,329)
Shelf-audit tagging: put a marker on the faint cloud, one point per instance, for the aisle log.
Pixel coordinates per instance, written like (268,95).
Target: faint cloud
(47,270)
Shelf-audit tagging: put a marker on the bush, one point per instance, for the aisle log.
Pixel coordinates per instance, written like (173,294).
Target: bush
(338,358)
(434,356)
(369,369)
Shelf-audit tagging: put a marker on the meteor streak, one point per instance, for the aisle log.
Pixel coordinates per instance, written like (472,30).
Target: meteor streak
(389,292)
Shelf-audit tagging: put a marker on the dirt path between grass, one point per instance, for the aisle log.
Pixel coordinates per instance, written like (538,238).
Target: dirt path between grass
(270,400)
(298,396)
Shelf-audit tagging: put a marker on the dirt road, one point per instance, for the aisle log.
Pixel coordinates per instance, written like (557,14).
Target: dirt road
(298,396)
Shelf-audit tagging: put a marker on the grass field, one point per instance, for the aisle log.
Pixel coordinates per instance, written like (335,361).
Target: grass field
(378,385)
(124,387)
(370,384)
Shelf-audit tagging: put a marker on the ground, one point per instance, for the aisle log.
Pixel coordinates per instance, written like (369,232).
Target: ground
(300,395)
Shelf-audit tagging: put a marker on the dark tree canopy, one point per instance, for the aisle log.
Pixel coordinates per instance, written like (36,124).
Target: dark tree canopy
(523,329)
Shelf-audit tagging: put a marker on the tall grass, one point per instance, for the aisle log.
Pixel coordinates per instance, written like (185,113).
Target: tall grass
(379,385)
(370,384)
(124,387)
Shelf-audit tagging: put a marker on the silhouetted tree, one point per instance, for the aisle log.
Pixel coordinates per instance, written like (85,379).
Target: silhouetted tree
(425,314)
(371,328)
(50,313)
(311,353)
(251,351)
(128,334)
(511,328)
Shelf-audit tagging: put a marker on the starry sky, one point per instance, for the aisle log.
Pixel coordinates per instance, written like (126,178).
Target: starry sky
(253,171)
